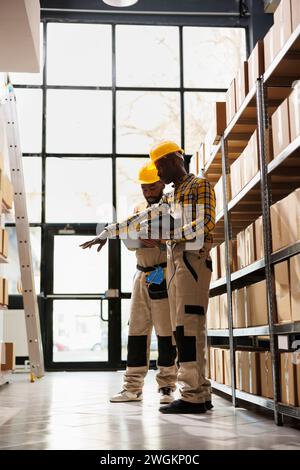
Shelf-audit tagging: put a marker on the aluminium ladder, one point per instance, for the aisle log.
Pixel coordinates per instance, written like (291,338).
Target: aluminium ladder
(23,236)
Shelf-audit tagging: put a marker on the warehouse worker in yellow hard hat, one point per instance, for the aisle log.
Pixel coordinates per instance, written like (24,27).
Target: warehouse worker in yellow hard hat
(188,267)
(149,307)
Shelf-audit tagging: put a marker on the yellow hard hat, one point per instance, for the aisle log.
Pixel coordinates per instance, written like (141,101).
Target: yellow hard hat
(164,148)
(148,174)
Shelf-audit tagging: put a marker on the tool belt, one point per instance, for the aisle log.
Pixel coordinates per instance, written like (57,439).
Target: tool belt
(155,291)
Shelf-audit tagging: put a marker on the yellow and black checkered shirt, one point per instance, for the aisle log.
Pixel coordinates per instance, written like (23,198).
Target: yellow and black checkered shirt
(190,194)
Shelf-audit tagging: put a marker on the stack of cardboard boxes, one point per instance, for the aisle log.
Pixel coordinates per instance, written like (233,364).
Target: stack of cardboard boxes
(286,121)
(249,308)
(286,20)
(254,372)
(285,221)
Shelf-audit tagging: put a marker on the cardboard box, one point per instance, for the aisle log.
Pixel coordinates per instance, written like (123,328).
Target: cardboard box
(257,306)
(219,365)
(256,64)
(223,311)
(8,360)
(285,221)
(249,238)
(212,363)
(239,306)
(295,10)
(7,192)
(288,379)
(207,365)
(213,313)
(247,372)
(270,47)
(219,121)
(230,102)
(282,292)
(9,357)
(294,264)
(242,84)
(234,259)
(259,241)
(1,292)
(236,170)
(241,249)
(4,242)
(294,111)
(250,166)
(219,195)
(222,252)
(5,291)
(266,375)
(227,367)
(281,128)
(282,24)
(215,257)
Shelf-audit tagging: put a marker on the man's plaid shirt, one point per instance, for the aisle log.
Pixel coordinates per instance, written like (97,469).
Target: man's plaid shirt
(196,198)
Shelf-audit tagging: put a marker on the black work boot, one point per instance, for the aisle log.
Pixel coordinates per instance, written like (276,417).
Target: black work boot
(183,407)
(208,405)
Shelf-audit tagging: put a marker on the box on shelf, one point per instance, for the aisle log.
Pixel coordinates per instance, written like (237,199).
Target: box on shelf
(4,242)
(250,254)
(294,111)
(8,360)
(285,221)
(294,264)
(7,192)
(234,259)
(282,24)
(257,307)
(241,249)
(259,242)
(231,102)
(212,363)
(266,376)
(213,313)
(269,47)
(297,367)
(281,128)
(222,252)
(288,379)
(214,253)
(219,195)
(250,167)
(242,84)
(295,10)
(1,291)
(219,365)
(256,64)
(247,371)
(236,171)
(219,122)
(5,291)
(239,306)
(227,367)
(282,292)
(223,311)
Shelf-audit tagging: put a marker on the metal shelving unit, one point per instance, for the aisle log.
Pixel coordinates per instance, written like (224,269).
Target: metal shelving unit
(272,183)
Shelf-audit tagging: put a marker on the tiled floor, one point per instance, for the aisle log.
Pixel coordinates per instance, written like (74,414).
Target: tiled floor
(72,411)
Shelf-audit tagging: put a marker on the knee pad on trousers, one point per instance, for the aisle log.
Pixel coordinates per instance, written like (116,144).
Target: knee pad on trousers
(186,345)
(137,351)
(166,351)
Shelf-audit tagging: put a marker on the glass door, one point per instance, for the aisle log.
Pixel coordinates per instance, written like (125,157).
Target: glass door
(82,313)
